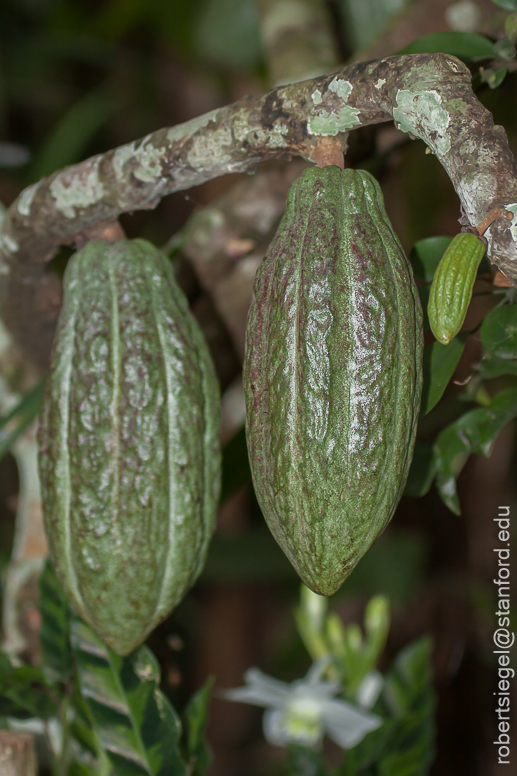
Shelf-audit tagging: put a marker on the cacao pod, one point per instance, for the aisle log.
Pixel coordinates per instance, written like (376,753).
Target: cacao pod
(129,441)
(453,281)
(332,374)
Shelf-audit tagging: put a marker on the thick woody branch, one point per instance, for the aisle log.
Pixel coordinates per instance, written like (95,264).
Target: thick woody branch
(427,95)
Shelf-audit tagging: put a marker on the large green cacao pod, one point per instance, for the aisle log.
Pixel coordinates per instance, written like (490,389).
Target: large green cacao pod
(453,282)
(129,441)
(332,374)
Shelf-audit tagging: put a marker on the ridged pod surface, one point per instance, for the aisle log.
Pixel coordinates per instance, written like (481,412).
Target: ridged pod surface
(332,374)
(453,281)
(129,441)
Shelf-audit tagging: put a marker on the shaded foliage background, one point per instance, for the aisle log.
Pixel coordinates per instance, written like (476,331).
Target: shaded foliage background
(80,78)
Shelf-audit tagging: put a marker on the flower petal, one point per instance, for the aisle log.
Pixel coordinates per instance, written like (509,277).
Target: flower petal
(369,689)
(347,725)
(261,690)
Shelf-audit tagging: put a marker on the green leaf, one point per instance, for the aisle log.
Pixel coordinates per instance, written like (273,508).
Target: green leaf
(302,761)
(15,423)
(199,755)
(425,256)
(136,726)
(310,621)
(505,49)
(422,471)
(86,756)
(474,432)
(499,332)
(492,366)
(464,45)
(494,76)
(510,27)
(361,759)
(404,745)
(376,626)
(440,362)
(24,692)
(411,698)
(508,5)
(56,656)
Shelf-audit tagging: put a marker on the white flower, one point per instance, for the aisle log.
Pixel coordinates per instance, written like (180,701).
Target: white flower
(302,712)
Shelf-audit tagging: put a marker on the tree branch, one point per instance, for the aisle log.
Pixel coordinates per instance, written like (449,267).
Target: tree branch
(427,95)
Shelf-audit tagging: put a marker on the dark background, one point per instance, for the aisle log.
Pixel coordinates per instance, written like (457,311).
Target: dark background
(79,78)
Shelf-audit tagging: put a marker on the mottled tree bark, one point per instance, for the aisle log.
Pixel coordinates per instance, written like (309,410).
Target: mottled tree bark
(429,96)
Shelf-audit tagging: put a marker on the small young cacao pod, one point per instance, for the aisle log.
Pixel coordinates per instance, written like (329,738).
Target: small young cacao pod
(453,281)
(129,441)
(332,374)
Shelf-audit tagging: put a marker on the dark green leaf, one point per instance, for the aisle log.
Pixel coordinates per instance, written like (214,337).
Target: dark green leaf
(508,5)
(24,692)
(136,726)
(404,745)
(464,45)
(505,49)
(474,432)
(422,471)
(20,417)
(440,362)
(494,76)
(86,757)
(198,751)
(302,761)
(56,657)
(425,256)
(410,695)
(361,759)
(499,332)
(510,26)
(492,366)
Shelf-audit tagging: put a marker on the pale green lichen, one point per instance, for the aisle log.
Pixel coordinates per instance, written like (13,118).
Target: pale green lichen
(474,189)
(120,157)
(421,114)
(26,198)
(332,124)
(147,166)
(316,97)
(77,192)
(208,149)
(149,161)
(187,129)
(342,88)
(276,137)
(458,105)
(272,138)
(380,83)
